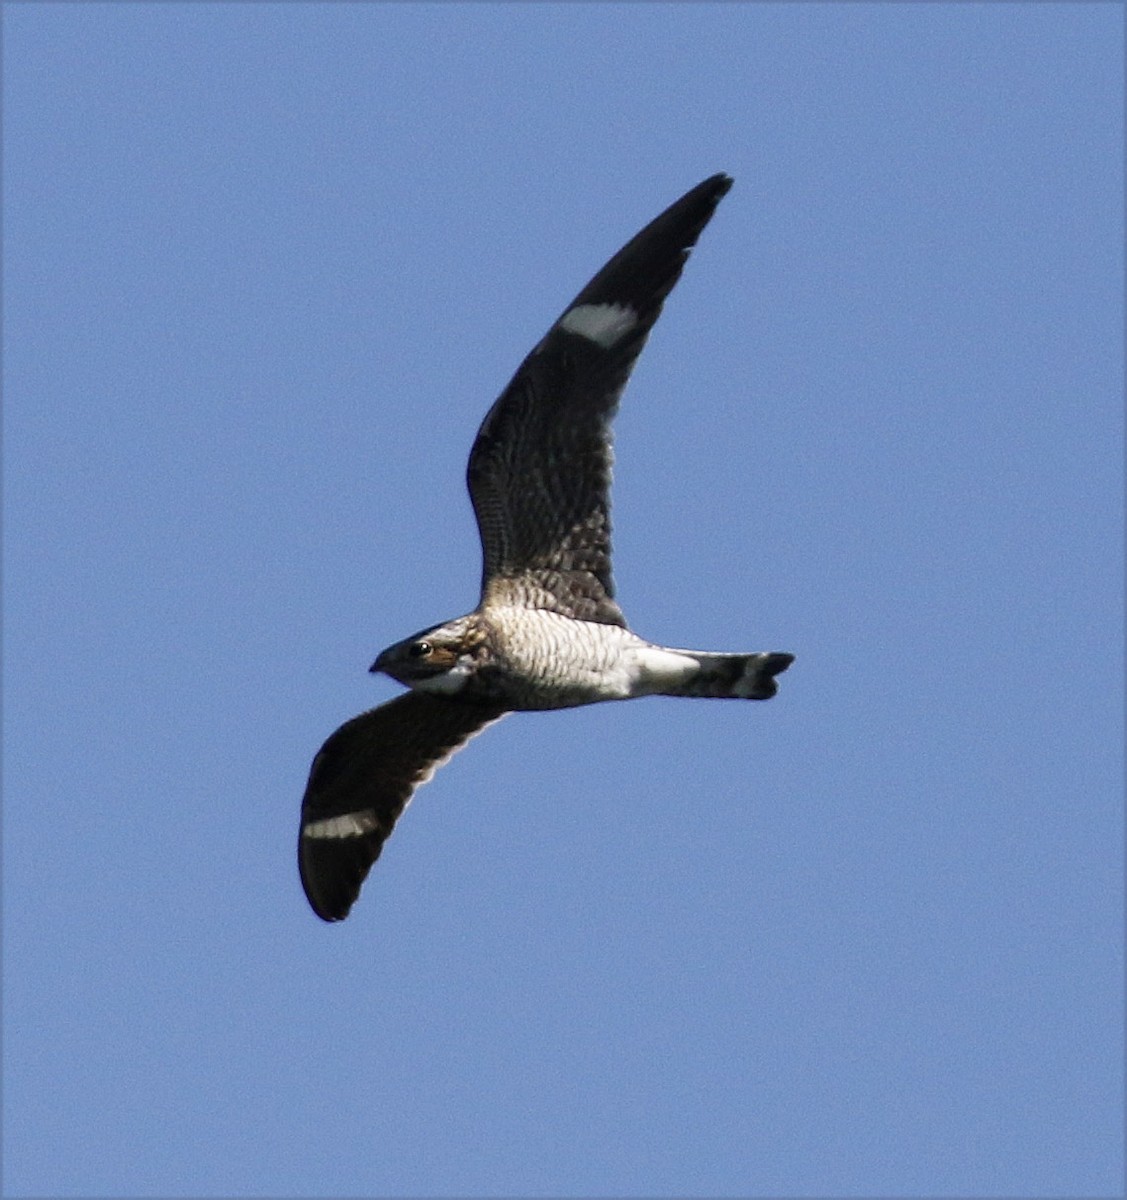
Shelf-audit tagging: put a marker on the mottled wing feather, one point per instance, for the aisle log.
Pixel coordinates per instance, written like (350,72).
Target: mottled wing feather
(363,778)
(540,469)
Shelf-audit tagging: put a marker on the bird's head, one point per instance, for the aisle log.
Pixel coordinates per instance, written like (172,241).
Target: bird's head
(439,659)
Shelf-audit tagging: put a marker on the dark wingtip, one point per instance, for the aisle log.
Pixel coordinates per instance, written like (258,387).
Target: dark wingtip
(720,183)
(331,876)
(711,190)
(643,273)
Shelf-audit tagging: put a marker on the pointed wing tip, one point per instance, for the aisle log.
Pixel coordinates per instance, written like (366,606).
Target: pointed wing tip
(331,882)
(708,192)
(711,190)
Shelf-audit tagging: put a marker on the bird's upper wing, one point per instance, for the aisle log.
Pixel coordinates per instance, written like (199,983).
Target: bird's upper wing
(363,778)
(539,472)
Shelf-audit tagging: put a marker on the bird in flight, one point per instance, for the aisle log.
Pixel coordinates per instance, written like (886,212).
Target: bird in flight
(547,632)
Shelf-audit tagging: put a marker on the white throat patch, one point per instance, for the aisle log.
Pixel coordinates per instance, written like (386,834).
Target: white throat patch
(450,682)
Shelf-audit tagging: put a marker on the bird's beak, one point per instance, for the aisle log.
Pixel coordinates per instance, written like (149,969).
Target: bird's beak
(380,664)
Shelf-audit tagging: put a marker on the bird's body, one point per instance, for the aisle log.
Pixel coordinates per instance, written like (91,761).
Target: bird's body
(538,659)
(530,659)
(547,632)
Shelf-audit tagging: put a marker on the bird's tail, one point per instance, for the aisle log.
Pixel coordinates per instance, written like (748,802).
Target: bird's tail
(733,676)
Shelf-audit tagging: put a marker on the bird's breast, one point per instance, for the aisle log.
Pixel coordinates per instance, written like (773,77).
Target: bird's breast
(546,660)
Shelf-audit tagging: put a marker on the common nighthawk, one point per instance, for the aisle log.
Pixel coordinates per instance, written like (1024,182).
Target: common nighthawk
(547,632)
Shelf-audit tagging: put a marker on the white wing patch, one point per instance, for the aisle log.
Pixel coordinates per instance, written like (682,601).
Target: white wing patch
(603,324)
(346,825)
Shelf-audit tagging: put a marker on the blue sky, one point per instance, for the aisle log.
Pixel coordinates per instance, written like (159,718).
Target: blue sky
(265,268)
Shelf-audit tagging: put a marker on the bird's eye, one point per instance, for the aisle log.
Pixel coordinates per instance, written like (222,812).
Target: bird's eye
(419,649)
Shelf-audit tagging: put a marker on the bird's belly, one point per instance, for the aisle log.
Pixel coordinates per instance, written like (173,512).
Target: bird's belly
(547,660)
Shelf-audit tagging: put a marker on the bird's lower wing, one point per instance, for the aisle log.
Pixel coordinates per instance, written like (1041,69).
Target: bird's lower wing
(363,778)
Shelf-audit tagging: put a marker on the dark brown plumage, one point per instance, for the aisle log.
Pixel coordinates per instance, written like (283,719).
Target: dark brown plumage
(547,632)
